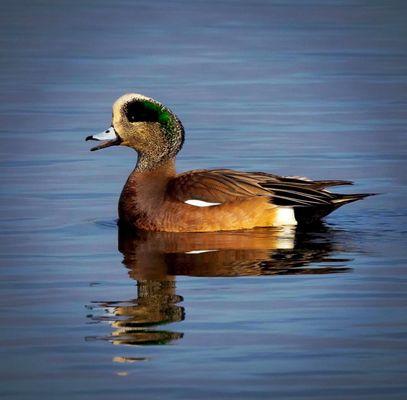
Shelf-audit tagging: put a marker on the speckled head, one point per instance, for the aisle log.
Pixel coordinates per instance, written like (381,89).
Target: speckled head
(145,125)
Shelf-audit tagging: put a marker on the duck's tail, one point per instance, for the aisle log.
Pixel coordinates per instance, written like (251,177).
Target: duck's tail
(311,215)
(343,199)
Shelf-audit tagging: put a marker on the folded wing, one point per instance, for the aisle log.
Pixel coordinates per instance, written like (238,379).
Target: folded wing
(224,185)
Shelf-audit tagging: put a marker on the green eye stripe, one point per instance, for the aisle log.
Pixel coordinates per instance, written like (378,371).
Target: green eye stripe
(147,111)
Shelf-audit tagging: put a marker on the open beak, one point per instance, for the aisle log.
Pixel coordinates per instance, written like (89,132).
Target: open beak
(109,138)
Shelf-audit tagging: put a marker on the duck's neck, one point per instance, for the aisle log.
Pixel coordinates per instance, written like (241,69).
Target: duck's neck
(149,163)
(144,191)
(155,177)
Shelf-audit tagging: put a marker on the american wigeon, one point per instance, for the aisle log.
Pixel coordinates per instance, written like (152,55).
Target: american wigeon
(156,198)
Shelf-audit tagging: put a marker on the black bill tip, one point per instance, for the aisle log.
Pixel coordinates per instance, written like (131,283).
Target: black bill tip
(108,143)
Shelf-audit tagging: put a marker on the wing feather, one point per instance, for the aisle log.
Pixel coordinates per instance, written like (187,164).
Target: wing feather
(224,185)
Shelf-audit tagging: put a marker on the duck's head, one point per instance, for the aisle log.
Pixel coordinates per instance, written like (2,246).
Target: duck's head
(145,125)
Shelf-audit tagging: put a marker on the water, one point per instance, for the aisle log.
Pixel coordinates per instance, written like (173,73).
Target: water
(310,88)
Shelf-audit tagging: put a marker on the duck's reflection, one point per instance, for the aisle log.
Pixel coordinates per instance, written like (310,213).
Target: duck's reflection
(137,321)
(155,259)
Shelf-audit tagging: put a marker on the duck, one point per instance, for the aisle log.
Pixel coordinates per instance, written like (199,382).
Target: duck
(157,198)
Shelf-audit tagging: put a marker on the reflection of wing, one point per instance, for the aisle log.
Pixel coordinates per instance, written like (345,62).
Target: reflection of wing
(224,185)
(265,251)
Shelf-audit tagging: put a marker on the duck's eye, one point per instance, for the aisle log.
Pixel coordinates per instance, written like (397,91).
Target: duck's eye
(139,111)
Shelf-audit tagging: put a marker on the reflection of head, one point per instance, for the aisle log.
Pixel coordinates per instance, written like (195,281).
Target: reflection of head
(156,304)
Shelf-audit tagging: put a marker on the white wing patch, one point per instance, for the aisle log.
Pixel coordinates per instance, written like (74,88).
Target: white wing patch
(285,216)
(301,178)
(199,251)
(200,203)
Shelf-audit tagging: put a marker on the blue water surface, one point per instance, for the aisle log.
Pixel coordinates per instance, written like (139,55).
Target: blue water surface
(308,88)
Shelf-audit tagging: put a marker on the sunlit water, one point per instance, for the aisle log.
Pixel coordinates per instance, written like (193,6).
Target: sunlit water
(314,89)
